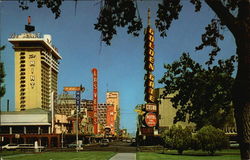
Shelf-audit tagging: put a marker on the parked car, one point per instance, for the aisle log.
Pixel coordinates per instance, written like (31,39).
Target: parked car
(234,144)
(104,142)
(10,147)
(29,146)
(73,145)
(26,146)
(133,140)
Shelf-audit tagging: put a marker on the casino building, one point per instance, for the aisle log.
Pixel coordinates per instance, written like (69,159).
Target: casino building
(36,70)
(36,76)
(113,98)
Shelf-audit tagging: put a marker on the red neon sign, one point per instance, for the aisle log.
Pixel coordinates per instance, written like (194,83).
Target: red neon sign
(95,99)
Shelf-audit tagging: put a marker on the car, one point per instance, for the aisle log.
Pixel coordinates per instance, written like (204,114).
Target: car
(10,147)
(129,140)
(26,146)
(104,142)
(29,146)
(133,140)
(234,144)
(73,145)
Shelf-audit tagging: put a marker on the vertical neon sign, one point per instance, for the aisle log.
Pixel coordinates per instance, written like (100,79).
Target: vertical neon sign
(95,99)
(149,63)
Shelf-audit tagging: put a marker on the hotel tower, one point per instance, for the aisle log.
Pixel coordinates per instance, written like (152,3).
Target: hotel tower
(36,70)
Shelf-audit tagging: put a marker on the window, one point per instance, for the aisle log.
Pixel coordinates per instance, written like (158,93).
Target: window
(22,57)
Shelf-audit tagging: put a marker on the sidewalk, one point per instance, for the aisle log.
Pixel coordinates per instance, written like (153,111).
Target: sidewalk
(124,156)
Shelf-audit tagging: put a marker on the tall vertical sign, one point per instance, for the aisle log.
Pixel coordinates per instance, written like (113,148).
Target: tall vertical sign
(95,100)
(149,118)
(149,64)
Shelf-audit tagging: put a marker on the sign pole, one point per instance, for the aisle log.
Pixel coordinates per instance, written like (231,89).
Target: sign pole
(78,91)
(78,104)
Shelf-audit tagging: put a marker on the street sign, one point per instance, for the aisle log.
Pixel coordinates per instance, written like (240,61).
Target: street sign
(78,99)
(150,107)
(147,131)
(151,119)
(82,89)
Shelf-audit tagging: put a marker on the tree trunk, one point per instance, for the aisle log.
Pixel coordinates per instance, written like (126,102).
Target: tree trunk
(240,28)
(241,89)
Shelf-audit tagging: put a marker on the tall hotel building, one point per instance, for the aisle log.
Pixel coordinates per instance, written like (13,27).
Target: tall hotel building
(36,70)
(113,98)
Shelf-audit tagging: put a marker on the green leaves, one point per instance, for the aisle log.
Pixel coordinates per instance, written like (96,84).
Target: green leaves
(202,96)
(177,138)
(54,5)
(212,139)
(2,75)
(210,38)
(117,13)
(168,11)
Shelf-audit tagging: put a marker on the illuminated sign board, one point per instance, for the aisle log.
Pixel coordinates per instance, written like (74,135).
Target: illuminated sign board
(149,65)
(74,89)
(150,107)
(95,99)
(147,131)
(150,119)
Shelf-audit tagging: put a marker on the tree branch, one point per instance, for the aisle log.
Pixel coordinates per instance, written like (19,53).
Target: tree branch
(223,13)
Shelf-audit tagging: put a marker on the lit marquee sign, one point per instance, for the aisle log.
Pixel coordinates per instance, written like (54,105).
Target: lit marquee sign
(95,99)
(149,65)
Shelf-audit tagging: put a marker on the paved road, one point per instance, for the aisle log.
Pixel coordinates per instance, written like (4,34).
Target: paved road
(124,156)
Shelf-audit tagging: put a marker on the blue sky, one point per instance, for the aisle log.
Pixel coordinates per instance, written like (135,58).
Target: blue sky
(121,65)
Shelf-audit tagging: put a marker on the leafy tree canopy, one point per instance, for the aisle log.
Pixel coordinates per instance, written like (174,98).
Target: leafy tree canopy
(178,138)
(202,96)
(2,75)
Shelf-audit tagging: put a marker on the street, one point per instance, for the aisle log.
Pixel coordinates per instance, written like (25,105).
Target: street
(116,146)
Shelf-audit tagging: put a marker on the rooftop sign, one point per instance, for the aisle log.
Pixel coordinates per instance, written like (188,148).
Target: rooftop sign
(73,89)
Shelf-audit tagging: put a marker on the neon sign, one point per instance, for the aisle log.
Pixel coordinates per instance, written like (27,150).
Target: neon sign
(149,65)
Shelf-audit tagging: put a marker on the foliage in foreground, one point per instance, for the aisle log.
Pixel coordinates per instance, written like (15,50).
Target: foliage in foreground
(212,139)
(202,96)
(2,75)
(178,138)
(208,139)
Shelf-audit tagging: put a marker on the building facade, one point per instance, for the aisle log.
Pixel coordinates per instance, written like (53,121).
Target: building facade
(167,112)
(110,124)
(101,117)
(106,122)
(36,70)
(27,127)
(114,99)
(66,105)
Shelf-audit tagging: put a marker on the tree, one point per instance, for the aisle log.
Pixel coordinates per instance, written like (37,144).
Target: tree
(212,139)
(234,14)
(2,75)
(202,96)
(178,138)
